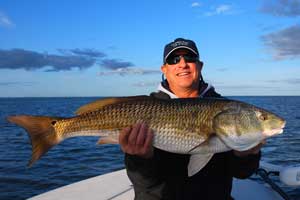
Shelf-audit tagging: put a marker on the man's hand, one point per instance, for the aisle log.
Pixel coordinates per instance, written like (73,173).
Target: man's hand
(251,151)
(137,140)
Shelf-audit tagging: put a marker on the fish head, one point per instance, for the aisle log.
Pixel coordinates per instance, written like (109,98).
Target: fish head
(242,126)
(270,123)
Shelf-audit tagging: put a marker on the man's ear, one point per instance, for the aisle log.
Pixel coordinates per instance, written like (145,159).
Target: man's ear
(163,69)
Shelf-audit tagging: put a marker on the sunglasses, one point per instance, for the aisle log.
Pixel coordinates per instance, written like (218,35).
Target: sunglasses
(174,59)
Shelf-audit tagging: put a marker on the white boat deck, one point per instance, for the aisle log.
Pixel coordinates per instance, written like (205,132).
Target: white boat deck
(116,186)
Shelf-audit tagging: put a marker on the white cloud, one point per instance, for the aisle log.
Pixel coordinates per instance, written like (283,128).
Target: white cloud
(146,84)
(223,9)
(128,71)
(5,21)
(196,4)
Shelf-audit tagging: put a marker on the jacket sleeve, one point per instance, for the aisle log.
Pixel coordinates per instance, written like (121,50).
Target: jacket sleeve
(143,173)
(243,167)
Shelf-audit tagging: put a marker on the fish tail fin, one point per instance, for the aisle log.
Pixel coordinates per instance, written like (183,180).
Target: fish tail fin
(41,132)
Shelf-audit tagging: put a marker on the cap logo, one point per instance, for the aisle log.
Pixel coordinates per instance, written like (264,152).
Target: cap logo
(179,43)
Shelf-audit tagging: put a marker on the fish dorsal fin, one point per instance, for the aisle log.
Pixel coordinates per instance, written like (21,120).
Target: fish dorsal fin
(98,104)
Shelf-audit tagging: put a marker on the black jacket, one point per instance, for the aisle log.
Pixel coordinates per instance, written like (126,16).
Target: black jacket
(164,176)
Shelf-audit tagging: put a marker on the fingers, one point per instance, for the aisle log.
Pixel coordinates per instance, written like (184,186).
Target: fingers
(256,149)
(252,151)
(148,140)
(123,137)
(137,140)
(147,148)
(140,140)
(134,133)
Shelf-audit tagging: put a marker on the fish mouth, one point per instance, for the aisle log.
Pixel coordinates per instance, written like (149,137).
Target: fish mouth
(283,124)
(274,131)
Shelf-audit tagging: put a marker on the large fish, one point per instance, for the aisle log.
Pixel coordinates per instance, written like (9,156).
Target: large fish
(195,126)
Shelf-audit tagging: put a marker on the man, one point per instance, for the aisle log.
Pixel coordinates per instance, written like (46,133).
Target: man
(157,174)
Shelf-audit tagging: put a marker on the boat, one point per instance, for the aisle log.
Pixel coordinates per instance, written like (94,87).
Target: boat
(117,186)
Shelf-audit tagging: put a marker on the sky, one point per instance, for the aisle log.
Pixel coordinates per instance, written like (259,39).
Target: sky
(67,48)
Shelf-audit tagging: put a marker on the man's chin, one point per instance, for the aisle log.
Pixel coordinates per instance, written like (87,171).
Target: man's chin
(187,85)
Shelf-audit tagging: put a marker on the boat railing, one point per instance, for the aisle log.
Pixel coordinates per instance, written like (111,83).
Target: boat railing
(289,176)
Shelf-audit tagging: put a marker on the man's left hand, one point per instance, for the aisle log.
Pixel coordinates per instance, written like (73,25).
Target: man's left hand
(252,151)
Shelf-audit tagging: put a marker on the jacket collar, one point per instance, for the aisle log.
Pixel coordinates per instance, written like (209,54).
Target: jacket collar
(164,87)
(168,92)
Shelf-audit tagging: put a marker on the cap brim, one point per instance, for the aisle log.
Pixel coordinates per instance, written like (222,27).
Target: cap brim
(180,47)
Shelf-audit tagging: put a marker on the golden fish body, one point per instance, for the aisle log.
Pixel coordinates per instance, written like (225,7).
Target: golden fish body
(179,125)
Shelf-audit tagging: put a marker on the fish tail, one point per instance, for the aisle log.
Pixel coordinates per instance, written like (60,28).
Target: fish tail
(41,132)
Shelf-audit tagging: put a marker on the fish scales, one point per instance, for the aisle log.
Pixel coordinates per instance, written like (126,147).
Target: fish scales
(163,117)
(179,125)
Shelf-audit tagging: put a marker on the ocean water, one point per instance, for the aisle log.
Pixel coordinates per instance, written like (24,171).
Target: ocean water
(79,158)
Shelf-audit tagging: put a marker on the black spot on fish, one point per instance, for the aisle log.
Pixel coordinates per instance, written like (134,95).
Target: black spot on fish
(53,123)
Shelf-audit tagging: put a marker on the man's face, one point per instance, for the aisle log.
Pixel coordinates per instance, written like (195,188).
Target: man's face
(184,74)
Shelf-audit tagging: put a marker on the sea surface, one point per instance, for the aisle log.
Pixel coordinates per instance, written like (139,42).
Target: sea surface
(79,158)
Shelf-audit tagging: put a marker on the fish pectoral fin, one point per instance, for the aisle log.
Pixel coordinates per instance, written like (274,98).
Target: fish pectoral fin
(95,105)
(108,140)
(195,147)
(197,162)
(201,139)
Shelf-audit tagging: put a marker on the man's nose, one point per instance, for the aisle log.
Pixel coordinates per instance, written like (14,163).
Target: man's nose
(182,62)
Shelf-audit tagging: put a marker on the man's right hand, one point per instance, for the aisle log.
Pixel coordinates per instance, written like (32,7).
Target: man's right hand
(137,140)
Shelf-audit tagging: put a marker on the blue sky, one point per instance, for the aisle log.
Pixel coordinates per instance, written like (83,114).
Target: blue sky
(114,48)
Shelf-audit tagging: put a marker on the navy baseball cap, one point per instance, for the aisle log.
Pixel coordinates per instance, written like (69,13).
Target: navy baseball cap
(180,43)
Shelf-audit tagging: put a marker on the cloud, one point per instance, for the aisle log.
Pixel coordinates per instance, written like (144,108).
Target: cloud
(119,67)
(293,81)
(145,84)
(83,52)
(223,9)
(11,83)
(222,69)
(5,21)
(243,86)
(269,28)
(129,71)
(196,4)
(115,64)
(284,43)
(30,60)
(68,59)
(289,81)
(289,8)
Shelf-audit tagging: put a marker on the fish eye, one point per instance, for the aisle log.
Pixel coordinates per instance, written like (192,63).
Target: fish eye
(262,116)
